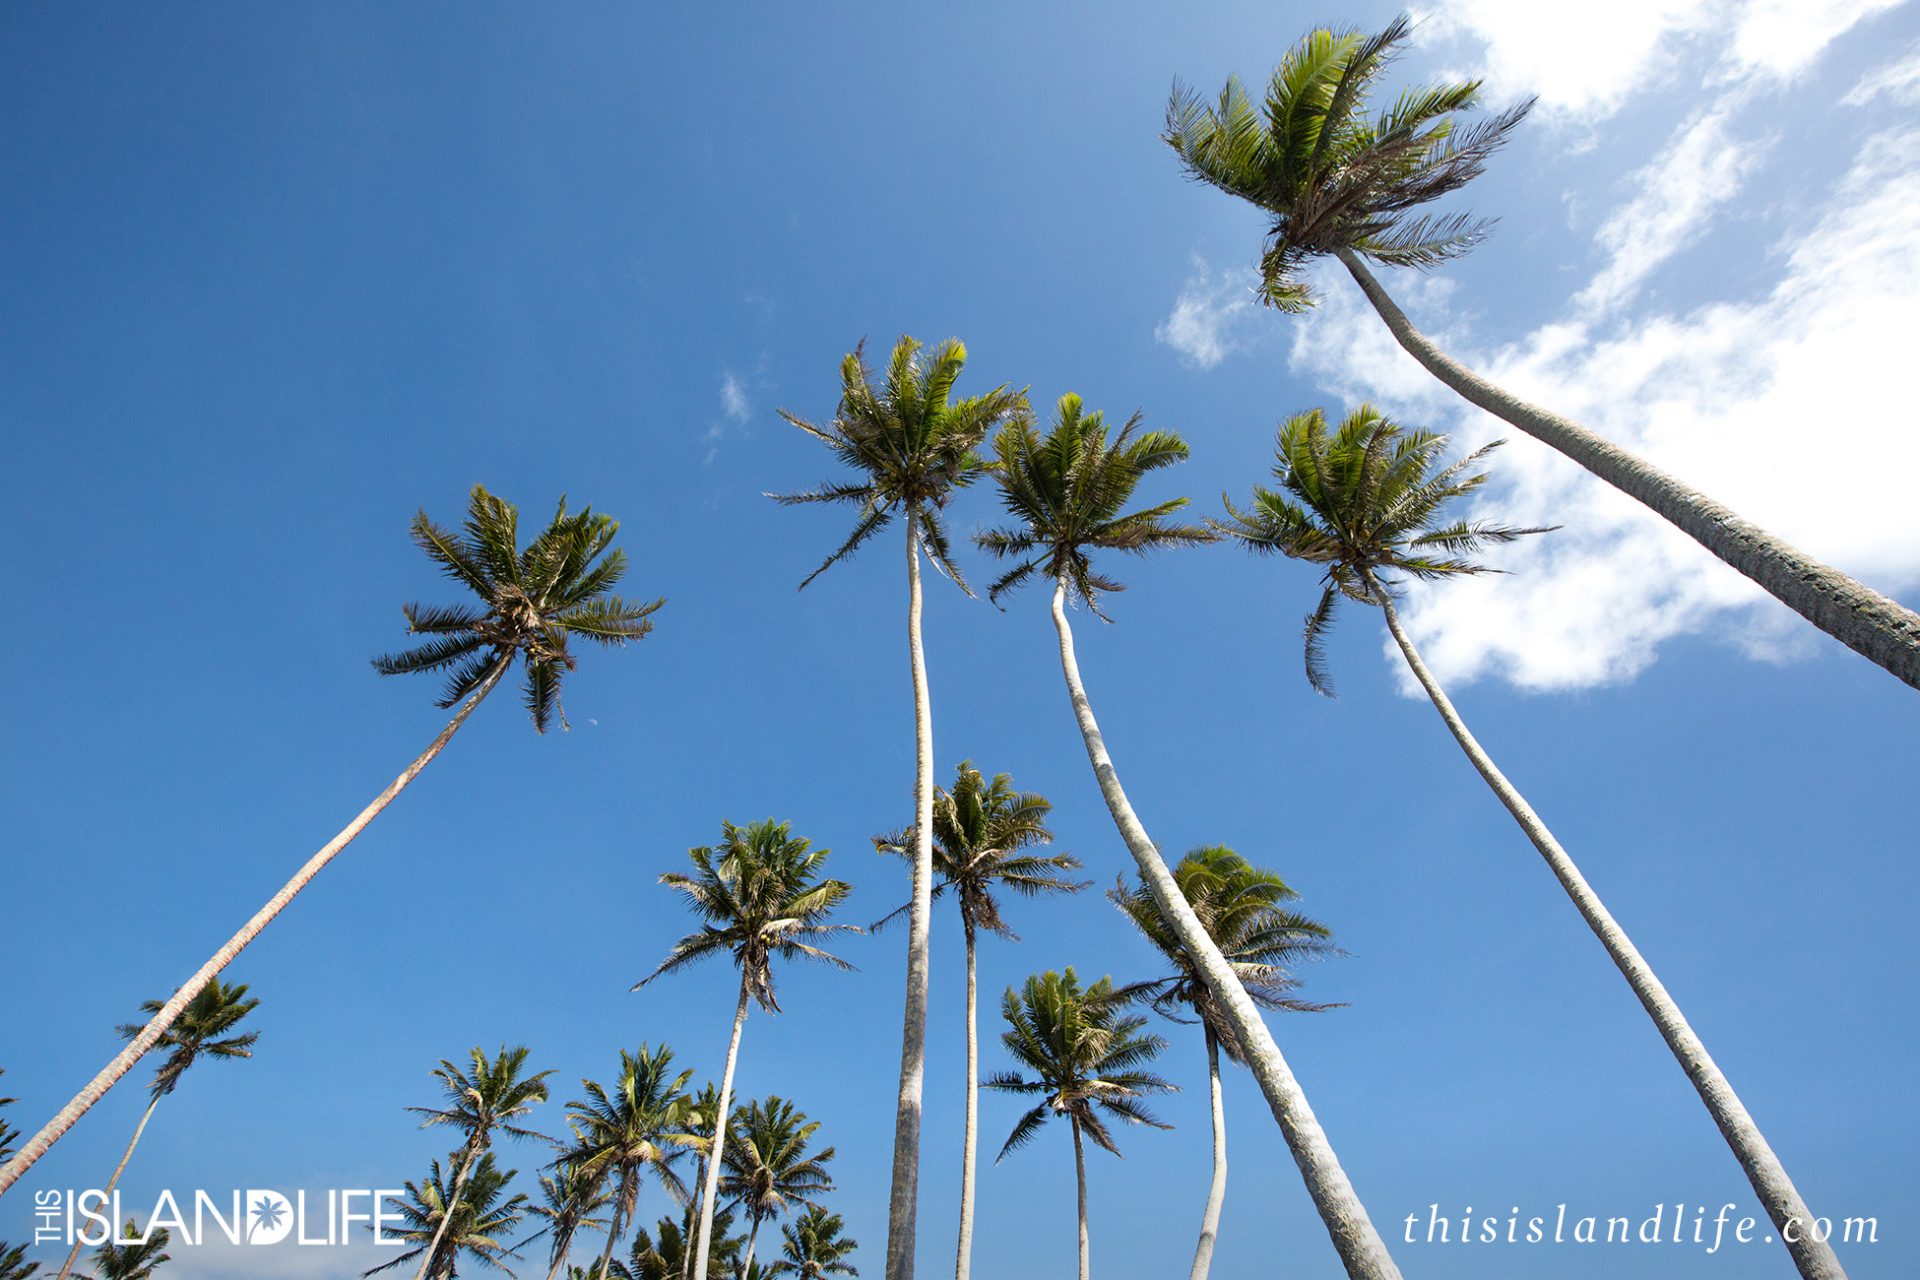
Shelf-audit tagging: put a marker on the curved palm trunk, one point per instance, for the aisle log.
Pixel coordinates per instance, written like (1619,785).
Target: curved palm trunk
(67,1267)
(1080,1182)
(618,1222)
(746,1261)
(903,1202)
(1362,1252)
(710,1185)
(446,1211)
(970,1145)
(157,1025)
(1815,1259)
(1217,1190)
(1881,630)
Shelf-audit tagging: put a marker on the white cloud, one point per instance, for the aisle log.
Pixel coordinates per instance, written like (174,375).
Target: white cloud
(1898,80)
(733,398)
(1211,315)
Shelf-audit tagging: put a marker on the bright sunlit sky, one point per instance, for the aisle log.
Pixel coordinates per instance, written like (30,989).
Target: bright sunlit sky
(273,278)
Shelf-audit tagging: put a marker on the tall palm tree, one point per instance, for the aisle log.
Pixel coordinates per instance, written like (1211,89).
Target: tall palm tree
(1241,908)
(1068,494)
(910,445)
(758,899)
(982,836)
(480,1220)
(813,1247)
(1335,182)
(1087,1061)
(1367,504)
(569,1198)
(638,1126)
(130,1257)
(14,1264)
(204,1029)
(769,1168)
(530,602)
(481,1101)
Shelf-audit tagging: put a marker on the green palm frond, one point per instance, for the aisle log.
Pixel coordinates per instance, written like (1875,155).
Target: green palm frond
(203,1029)
(476,1225)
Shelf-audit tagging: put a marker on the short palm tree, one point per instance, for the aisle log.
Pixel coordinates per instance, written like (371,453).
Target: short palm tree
(770,1169)
(1241,906)
(1367,504)
(813,1247)
(667,1254)
(1086,1057)
(14,1264)
(476,1226)
(530,603)
(984,839)
(482,1099)
(1067,493)
(131,1258)
(622,1133)
(570,1196)
(759,900)
(910,446)
(1336,182)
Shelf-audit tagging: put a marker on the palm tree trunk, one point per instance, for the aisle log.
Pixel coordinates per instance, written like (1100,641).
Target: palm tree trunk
(753,1234)
(970,1144)
(1080,1182)
(446,1210)
(618,1221)
(67,1266)
(157,1026)
(1362,1252)
(903,1202)
(1815,1259)
(1217,1190)
(710,1185)
(1882,630)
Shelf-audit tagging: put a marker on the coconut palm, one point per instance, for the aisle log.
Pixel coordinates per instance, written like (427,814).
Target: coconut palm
(476,1226)
(8,1134)
(530,603)
(481,1100)
(1068,494)
(813,1247)
(668,1253)
(130,1257)
(1368,505)
(1086,1056)
(14,1264)
(910,446)
(1334,181)
(769,1168)
(569,1198)
(1241,908)
(623,1133)
(983,834)
(758,899)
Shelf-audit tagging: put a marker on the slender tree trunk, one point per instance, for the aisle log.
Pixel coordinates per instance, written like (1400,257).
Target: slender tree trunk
(446,1214)
(1881,630)
(67,1266)
(1217,1190)
(753,1234)
(1362,1252)
(902,1205)
(970,1144)
(98,1086)
(710,1185)
(1080,1182)
(1815,1259)
(617,1222)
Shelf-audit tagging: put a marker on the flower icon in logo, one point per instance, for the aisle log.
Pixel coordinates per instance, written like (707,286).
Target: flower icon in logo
(270,1215)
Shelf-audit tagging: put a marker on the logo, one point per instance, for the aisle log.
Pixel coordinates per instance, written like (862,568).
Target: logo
(254,1216)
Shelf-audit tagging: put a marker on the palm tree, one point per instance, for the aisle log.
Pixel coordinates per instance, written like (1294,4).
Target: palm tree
(204,1029)
(813,1247)
(530,602)
(982,832)
(769,1169)
(757,899)
(1067,494)
(1335,182)
(130,1257)
(569,1197)
(1367,504)
(1240,906)
(13,1262)
(911,446)
(620,1135)
(8,1134)
(668,1253)
(479,1220)
(483,1100)
(1086,1057)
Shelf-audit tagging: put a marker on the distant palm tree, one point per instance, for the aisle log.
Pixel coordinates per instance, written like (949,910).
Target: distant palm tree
(480,1220)
(1086,1057)
(530,602)
(813,1247)
(1334,182)
(982,832)
(910,446)
(14,1264)
(1368,502)
(1068,493)
(569,1197)
(131,1258)
(482,1101)
(769,1168)
(621,1134)
(8,1134)
(1240,906)
(757,898)
(668,1253)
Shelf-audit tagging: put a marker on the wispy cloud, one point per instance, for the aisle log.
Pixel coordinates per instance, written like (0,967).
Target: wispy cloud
(733,398)
(1211,315)
(1898,81)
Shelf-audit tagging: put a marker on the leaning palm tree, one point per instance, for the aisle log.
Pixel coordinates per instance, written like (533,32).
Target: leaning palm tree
(1241,908)
(530,603)
(1068,494)
(813,1247)
(1334,181)
(569,1198)
(482,1100)
(769,1168)
(910,446)
(1087,1061)
(131,1257)
(622,1133)
(1367,504)
(14,1264)
(983,837)
(480,1220)
(758,900)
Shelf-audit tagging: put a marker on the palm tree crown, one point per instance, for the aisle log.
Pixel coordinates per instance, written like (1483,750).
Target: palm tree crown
(570,1196)
(132,1261)
(487,1098)
(1330,177)
(202,1028)
(814,1249)
(637,1125)
(8,1134)
(14,1264)
(769,1168)
(477,1224)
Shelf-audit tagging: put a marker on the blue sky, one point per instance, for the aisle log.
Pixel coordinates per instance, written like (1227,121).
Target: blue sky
(272,280)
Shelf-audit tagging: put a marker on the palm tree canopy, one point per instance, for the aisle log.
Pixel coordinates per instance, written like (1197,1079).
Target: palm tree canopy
(136,1261)
(1367,501)
(910,443)
(488,1096)
(1330,176)
(1086,1055)
(667,1254)
(1067,493)
(570,1196)
(530,601)
(814,1248)
(203,1028)
(13,1260)
(8,1134)
(480,1219)
(1241,908)
(769,1169)
(758,897)
(638,1124)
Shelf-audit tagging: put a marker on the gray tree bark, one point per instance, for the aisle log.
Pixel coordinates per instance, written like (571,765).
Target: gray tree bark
(446,1212)
(1080,1181)
(710,1191)
(1217,1189)
(970,1145)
